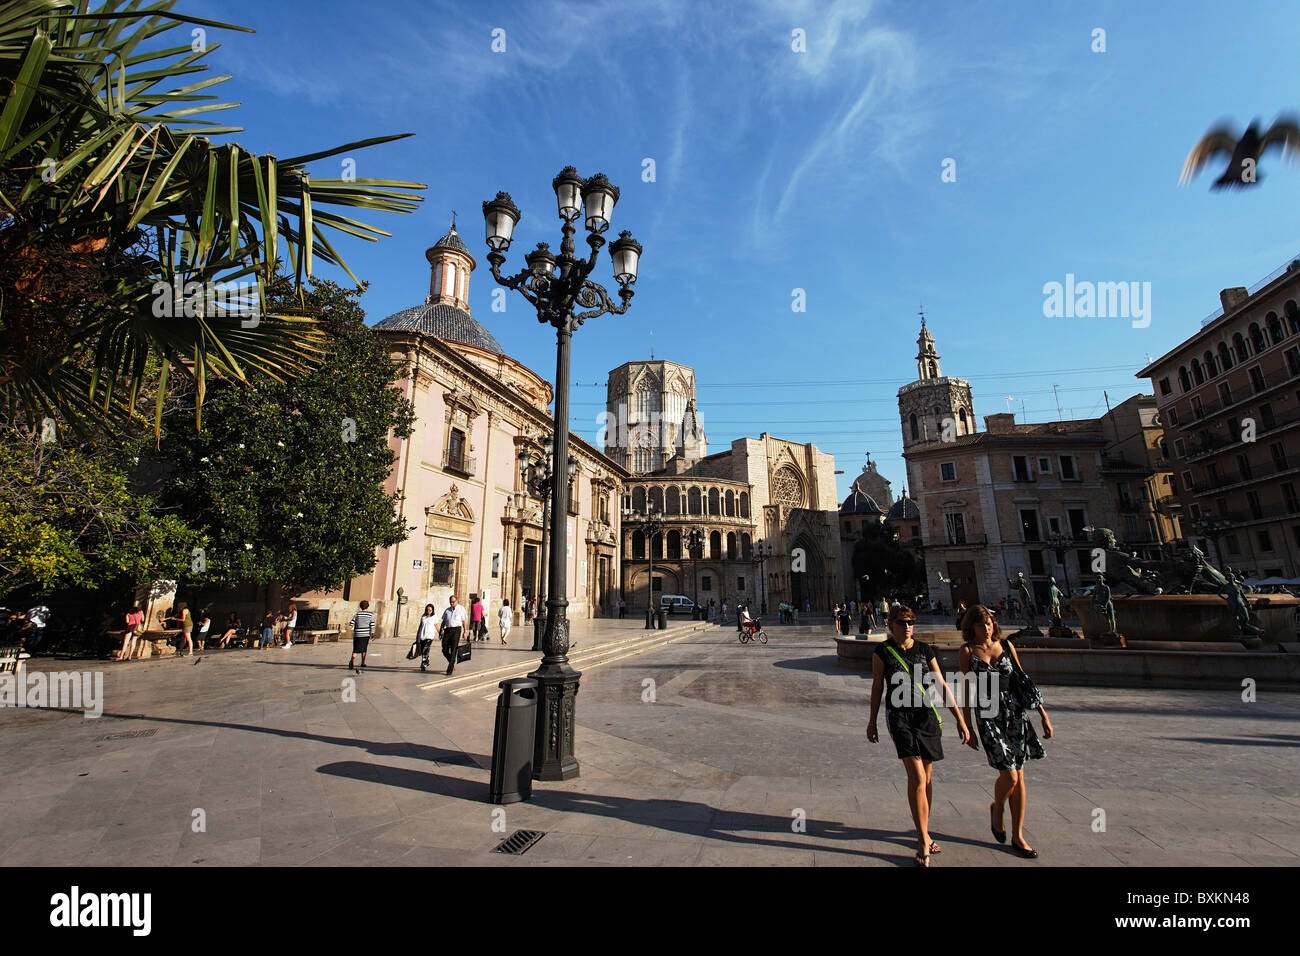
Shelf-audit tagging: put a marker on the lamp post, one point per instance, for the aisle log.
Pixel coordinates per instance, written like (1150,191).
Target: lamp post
(765,551)
(649,524)
(1058,543)
(695,547)
(538,480)
(1212,526)
(555,286)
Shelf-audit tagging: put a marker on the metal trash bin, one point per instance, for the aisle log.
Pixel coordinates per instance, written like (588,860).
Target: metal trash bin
(663,619)
(512,741)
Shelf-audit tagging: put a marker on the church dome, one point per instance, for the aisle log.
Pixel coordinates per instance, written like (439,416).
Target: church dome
(444,322)
(904,509)
(859,504)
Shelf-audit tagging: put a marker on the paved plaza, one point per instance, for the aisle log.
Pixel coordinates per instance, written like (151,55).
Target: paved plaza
(694,750)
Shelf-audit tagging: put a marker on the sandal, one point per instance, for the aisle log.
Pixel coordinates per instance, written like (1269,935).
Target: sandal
(935,849)
(922,859)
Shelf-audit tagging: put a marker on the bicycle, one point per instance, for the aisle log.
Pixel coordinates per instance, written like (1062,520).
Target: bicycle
(755,634)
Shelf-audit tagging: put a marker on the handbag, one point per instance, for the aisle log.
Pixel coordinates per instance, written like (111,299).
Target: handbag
(463,652)
(1023,690)
(410,655)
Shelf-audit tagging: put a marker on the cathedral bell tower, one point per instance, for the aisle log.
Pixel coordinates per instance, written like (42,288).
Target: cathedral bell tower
(935,407)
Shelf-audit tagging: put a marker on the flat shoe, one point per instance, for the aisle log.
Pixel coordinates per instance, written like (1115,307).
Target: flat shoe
(999,835)
(1029,853)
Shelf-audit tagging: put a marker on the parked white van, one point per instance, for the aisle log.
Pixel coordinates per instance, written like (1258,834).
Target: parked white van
(676,604)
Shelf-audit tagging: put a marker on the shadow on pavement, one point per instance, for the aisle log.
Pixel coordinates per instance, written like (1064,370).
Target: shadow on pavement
(680,816)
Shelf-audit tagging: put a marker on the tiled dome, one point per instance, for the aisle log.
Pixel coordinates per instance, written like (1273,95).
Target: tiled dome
(452,240)
(859,504)
(903,509)
(442,322)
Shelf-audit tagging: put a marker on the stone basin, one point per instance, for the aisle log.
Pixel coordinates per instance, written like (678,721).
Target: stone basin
(1188,617)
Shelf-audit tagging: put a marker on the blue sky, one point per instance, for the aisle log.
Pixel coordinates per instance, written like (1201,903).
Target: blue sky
(778,170)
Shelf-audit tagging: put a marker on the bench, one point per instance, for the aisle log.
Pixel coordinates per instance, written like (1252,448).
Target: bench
(315,637)
(12,657)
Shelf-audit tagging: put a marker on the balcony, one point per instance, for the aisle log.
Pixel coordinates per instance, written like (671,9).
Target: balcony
(458,464)
(1257,473)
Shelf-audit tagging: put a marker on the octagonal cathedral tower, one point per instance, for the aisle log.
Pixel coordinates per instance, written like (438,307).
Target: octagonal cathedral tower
(924,406)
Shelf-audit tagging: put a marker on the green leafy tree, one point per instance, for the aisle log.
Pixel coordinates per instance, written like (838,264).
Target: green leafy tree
(890,570)
(70,516)
(120,219)
(286,479)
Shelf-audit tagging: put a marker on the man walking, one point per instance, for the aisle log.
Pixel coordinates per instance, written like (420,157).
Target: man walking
(363,626)
(453,621)
(503,620)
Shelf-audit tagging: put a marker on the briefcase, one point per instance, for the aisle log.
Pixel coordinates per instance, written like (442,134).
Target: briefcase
(462,653)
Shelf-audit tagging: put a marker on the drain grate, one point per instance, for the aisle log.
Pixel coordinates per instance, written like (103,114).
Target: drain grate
(130,734)
(520,842)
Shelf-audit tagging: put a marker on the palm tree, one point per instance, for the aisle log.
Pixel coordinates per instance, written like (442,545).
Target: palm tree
(119,217)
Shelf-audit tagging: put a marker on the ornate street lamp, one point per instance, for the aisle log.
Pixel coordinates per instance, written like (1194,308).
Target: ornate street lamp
(695,548)
(555,286)
(1213,527)
(538,480)
(1059,543)
(765,551)
(649,524)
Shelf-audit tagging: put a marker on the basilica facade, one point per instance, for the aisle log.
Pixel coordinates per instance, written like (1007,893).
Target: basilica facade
(477,530)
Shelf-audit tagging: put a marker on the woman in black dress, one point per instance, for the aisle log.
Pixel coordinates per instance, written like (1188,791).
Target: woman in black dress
(1008,736)
(912,719)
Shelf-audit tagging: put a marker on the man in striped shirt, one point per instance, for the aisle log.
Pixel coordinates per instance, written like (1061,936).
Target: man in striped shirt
(363,626)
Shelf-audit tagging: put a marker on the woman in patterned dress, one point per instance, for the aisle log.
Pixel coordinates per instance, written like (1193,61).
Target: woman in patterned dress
(1008,736)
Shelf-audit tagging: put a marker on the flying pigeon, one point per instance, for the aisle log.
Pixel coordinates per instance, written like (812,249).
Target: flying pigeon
(1244,152)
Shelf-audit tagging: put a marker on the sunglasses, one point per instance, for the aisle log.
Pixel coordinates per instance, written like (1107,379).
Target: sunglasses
(909,621)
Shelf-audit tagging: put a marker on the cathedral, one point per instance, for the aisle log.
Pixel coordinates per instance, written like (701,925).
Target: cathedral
(764,510)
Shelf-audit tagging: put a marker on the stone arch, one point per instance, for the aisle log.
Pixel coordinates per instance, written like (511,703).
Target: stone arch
(693,502)
(746,547)
(715,502)
(656,499)
(1197,375)
(810,585)
(744,504)
(674,545)
(715,544)
(731,545)
(1292,317)
(1211,369)
(1184,380)
(916,432)
(638,546)
(1257,340)
(1239,347)
(638,499)
(673,501)
(1275,333)
(1225,357)
(730,509)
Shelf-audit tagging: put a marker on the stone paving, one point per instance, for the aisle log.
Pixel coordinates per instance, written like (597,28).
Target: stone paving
(747,755)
